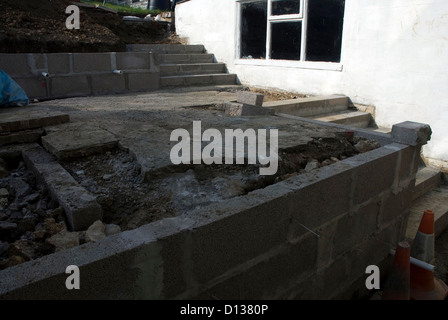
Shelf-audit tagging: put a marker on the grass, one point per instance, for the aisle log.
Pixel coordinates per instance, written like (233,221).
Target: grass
(125,9)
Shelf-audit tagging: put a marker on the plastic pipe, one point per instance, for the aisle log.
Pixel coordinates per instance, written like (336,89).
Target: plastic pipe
(418,263)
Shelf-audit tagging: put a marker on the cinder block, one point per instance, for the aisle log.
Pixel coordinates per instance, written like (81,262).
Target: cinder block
(35,88)
(406,164)
(228,242)
(81,208)
(251,98)
(132,60)
(374,250)
(108,83)
(326,243)
(331,279)
(241,110)
(368,185)
(175,266)
(88,62)
(411,133)
(272,277)
(353,229)
(320,198)
(69,86)
(143,81)
(37,61)
(15,64)
(58,63)
(396,206)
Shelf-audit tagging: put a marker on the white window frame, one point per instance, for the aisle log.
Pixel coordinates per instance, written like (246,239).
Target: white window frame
(302,63)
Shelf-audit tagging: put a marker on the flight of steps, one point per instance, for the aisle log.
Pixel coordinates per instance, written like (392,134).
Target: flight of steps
(430,193)
(333,108)
(187,65)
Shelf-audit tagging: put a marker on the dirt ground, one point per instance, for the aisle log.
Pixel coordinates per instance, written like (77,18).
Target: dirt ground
(39,26)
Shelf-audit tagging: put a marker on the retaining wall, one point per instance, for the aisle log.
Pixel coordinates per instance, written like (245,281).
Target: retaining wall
(60,75)
(308,237)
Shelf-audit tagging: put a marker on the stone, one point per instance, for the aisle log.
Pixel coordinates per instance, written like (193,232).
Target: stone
(311,165)
(107,176)
(411,133)
(4,172)
(95,232)
(6,226)
(334,159)
(241,109)
(366,145)
(32,197)
(111,229)
(4,193)
(52,227)
(12,261)
(3,247)
(326,162)
(3,202)
(64,240)
(20,187)
(23,248)
(251,98)
(28,223)
(39,234)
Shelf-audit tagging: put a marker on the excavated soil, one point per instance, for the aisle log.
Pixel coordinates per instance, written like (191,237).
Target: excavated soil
(39,26)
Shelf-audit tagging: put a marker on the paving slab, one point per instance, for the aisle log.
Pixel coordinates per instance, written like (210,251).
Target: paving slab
(24,136)
(30,117)
(80,142)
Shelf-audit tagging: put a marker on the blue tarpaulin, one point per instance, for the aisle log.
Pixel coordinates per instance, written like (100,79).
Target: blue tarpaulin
(11,93)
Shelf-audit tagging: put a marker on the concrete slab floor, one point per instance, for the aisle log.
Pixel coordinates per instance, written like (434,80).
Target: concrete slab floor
(137,183)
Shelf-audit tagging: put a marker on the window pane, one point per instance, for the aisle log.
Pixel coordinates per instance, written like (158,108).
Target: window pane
(280,7)
(286,40)
(253,30)
(324,30)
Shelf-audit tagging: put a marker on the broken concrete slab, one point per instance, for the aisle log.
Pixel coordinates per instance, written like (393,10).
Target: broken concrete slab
(24,118)
(81,208)
(66,144)
(252,98)
(242,109)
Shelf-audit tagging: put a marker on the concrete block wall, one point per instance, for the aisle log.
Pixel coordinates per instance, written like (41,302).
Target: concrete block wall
(308,237)
(60,75)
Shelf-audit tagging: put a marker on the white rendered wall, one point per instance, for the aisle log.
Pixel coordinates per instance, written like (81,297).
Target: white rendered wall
(394,56)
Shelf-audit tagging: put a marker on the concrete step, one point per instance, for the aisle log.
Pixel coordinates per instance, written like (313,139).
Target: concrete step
(198,80)
(186,58)
(193,68)
(356,119)
(166,48)
(309,107)
(427,178)
(435,200)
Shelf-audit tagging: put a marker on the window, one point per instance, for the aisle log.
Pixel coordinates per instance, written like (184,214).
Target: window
(297,30)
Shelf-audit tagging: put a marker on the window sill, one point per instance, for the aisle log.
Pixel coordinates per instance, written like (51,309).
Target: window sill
(330,66)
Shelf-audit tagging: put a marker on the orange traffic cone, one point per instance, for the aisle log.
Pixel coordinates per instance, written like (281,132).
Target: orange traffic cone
(423,245)
(397,286)
(424,286)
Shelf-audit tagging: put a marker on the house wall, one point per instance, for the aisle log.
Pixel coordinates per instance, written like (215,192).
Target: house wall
(393,57)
